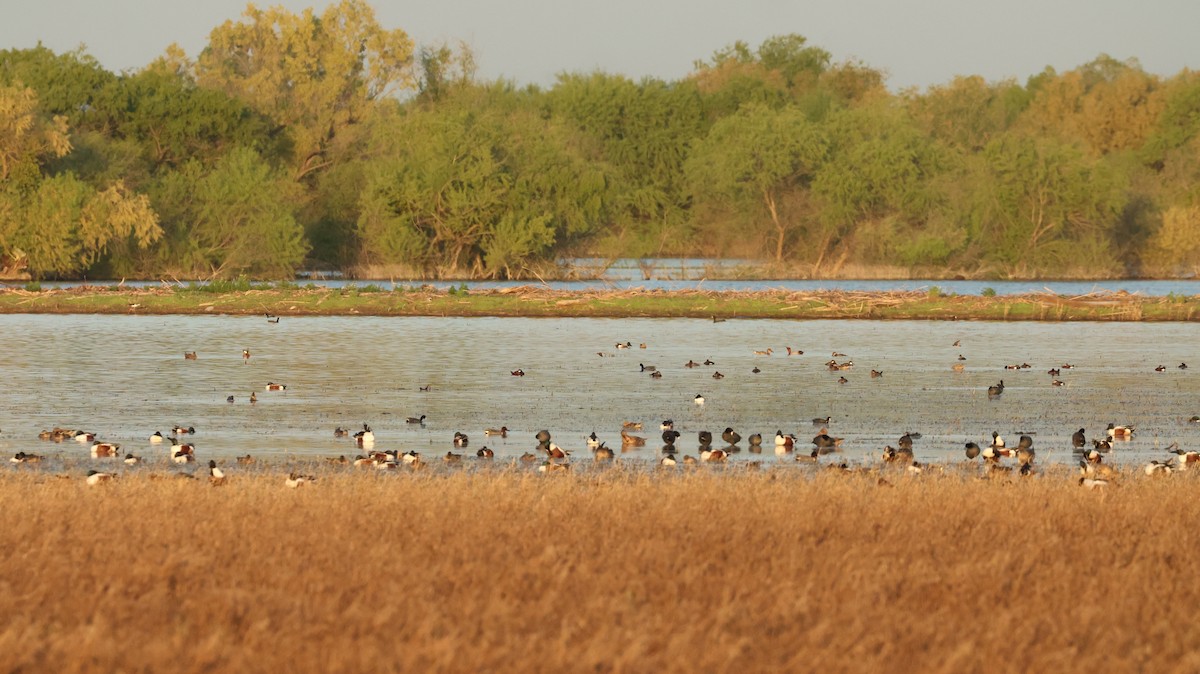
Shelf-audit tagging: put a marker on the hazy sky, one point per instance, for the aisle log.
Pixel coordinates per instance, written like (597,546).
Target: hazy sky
(917,42)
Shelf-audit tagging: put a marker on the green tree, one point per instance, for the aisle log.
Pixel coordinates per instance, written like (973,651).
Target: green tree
(318,76)
(757,162)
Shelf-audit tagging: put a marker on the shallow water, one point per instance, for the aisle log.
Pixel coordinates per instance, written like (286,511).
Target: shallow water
(124,377)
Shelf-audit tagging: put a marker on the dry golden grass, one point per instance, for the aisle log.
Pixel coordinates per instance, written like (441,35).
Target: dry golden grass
(702,570)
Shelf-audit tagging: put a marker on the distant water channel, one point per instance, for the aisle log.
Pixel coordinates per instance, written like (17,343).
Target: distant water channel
(124,377)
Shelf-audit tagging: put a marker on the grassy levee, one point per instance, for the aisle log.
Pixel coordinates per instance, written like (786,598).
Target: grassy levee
(535,301)
(706,570)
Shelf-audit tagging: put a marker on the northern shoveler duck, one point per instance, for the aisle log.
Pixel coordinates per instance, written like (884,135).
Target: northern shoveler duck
(623,345)
(556,452)
(714,455)
(996,390)
(1102,445)
(105,450)
(1058,382)
(156,437)
(1053,372)
(245,460)
(189,355)
(82,436)
(997,441)
(216,476)
(602,453)
(768,352)
(628,440)
(23,457)
(1157,468)
(1067,366)
(485,453)
(709,361)
(1183,458)
(183,453)
(180,430)
(793,352)
(669,461)
(551,467)
(517,372)
(656,375)
(972,450)
(699,399)
(718,375)
(647,368)
(782,440)
(592,440)
(730,436)
(666,425)
(501,432)
(272,386)
(340,432)
(1094,483)
(295,480)
(365,437)
(245,356)
(410,458)
(415,420)
(1123,432)
(361,461)
(1092,455)
(1161,368)
(131,460)
(1078,439)
(96,477)
(460,439)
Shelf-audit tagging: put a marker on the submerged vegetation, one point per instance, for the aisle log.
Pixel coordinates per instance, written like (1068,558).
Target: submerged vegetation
(327,140)
(709,570)
(243,297)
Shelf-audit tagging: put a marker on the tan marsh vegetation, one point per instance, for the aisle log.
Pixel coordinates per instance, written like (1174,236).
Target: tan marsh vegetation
(507,570)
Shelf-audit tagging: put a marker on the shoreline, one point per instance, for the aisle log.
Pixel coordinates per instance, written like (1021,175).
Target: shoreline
(538,302)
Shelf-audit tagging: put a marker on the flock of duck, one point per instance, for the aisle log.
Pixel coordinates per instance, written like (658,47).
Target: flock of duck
(995,458)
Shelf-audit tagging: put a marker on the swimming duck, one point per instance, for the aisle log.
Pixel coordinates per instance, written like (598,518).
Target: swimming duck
(996,390)
(542,436)
(755,370)
(647,368)
(295,480)
(626,345)
(691,363)
(550,467)
(782,440)
(527,457)
(245,356)
(183,453)
(156,437)
(340,432)
(632,425)
(1183,458)
(189,355)
(1157,468)
(485,453)
(972,450)
(1182,366)
(592,440)
(95,477)
(705,438)
(906,442)
(1102,445)
(1078,439)
(709,361)
(718,375)
(411,458)
(768,352)
(1123,432)
(667,425)
(997,441)
(958,367)
(730,436)
(451,457)
(180,430)
(415,420)
(1094,483)
(699,399)
(801,457)
(1053,372)
(843,380)
(669,437)
(656,375)
(517,372)
(793,352)
(1161,368)
(245,460)
(82,436)
(755,439)
(713,455)
(104,450)
(824,441)
(339,460)
(253,397)
(131,460)
(365,437)
(272,386)
(556,452)
(23,457)
(216,476)
(642,345)
(628,440)
(875,374)
(602,453)
(460,439)
(668,461)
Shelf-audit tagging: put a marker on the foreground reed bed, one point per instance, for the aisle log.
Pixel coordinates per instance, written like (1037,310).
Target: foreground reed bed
(601,571)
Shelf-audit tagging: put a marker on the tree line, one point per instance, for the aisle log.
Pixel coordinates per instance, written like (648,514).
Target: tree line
(325,140)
